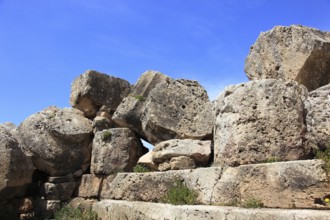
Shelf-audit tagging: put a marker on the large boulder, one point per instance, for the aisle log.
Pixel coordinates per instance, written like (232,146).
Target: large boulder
(115,150)
(177,109)
(131,109)
(58,140)
(318,116)
(16,168)
(92,90)
(199,151)
(260,121)
(296,52)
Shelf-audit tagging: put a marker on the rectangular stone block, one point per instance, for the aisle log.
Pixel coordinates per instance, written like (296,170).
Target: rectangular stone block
(90,186)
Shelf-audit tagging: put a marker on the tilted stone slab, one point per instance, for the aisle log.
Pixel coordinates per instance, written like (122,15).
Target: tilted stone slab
(299,184)
(177,109)
(58,140)
(295,52)
(127,210)
(318,116)
(129,112)
(259,121)
(92,90)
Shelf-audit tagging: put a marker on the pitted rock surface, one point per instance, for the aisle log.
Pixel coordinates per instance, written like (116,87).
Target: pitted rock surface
(92,90)
(318,116)
(131,109)
(58,140)
(115,150)
(16,168)
(259,121)
(296,52)
(177,109)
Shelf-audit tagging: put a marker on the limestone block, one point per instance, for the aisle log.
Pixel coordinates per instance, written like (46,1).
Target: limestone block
(293,184)
(90,186)
(182,163)
(152,186)
(58,139)
(300,184)
(92,90)
(113,209)
(16,168)
(318,116)
(115,150)
(199,151)
(259,121)
(131,109)
(177,109)
(295,52)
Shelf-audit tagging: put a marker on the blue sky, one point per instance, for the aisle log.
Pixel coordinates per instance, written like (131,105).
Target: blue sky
(45,45)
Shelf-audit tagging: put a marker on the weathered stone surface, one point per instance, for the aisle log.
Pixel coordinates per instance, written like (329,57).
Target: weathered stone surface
(296,52)
(58,191)
(199,151)
(318,116)
(101,123)
(82,203)
(114,150)
(146,160)
(92,89)
(152,186)
(166,165)
(9,126)
(90,186)
(298,184)
(259,121)
(131,109)
(16,168)
(58,139)
(177,109)
(182,163)
(125,210)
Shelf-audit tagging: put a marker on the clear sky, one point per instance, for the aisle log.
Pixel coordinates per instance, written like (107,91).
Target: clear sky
(46,44)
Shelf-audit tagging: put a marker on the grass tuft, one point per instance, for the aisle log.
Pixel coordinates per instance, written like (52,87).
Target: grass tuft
(68,213)
(180,194)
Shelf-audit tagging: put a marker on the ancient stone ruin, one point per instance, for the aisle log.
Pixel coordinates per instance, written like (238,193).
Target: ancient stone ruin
(260,144)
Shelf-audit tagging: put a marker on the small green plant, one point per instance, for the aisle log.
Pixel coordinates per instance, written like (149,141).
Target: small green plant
(106,135)
(327,201)
(140,169)
(272,160)
(253,203)
(325,156)
(141,98)
(68,213)
(180,194)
